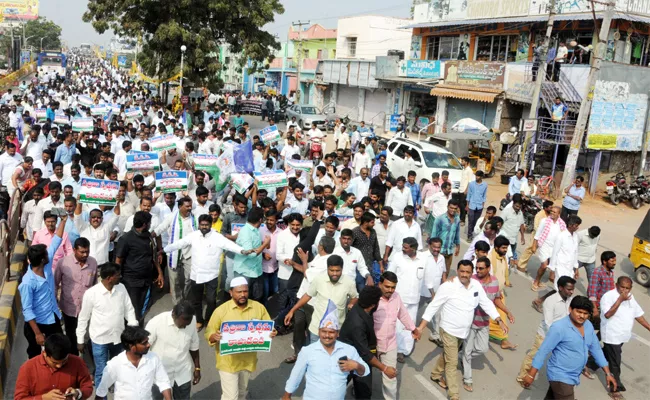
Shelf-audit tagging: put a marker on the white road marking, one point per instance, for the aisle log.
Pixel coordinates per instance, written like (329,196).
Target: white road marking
(640,339)
(431,387)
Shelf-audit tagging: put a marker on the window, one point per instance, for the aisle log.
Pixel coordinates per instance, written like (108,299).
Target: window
(305,53)
(497,48)
(352,47)
(401,150)
(320,54)
(442,47)
(441,160)
(392,146)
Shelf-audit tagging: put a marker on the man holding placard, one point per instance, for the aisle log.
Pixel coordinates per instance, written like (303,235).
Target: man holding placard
(235,369)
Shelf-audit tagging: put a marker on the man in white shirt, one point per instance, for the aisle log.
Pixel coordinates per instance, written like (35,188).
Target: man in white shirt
(619,310)
(120,158)
(54,200)
(202,204)
(9,160)
(105,305)
(206,247)
(44,163)
(174,339)
(554,308)
(361,159)
(436,204)
(436,272)
(401,229)
(513,223)
(34,144)
(587,246)
(382,228)
(360,184)
(135,370)
(545,236)
(409,265)
(287,241)
(297,204)
(353,260)
(97,230)
(289,149)
(457,300)
(399,197)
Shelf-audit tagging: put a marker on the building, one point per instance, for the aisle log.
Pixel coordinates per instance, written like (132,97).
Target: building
(231,73)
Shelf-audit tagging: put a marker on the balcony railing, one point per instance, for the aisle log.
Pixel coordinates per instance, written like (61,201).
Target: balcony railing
(555,132)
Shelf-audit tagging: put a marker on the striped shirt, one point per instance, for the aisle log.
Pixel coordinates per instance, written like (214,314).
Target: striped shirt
(481,319)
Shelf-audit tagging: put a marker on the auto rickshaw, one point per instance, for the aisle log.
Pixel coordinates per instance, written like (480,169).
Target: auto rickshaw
(640,253)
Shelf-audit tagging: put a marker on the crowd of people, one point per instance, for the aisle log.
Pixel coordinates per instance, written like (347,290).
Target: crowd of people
(341,257)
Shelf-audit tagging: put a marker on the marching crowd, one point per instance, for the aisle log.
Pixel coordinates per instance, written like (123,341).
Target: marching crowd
(341,256)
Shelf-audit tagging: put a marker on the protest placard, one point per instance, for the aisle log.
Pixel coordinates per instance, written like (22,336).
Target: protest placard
(303,165)
(241,182)
(271,179)
(205,161)
(171,181)
(270,134)
(133,112)
(98,109)
(61,119)
(85,100)
(245,337)
(164,142)
(142,161)
(98,191)
(40,114)
(116,108)
(82,124)
(343,218)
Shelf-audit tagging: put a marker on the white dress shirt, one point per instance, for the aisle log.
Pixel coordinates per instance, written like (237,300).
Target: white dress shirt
(316,267)
(398,199)
(512,222)
(437,203)
(45,204)
(163,210)
(106,312)
(206,253)
(34,149)
(321,233)
(286,243)
(133,382)
(587,246)
(618,328)
(359,187)
(398,232)
(26,218)
(553,309)
(100,238)
(565,255)
(8,165)
(433,271)
(173,346)
(382,235)
(457,304)
(412,276)
(353,261)
(46,169)
(296,206)
(199,209)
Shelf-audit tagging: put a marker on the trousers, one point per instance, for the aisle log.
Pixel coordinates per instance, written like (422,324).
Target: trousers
(301,321)
(448,363)
(197,294)
(388,385)
(472,217)
(528,360)
(138,295)
(613,353)
(560,391)
(33,348)
(477,343)
(404,339)
(70,324)
(179,281)
(102,353)
(181,392)
(234,386)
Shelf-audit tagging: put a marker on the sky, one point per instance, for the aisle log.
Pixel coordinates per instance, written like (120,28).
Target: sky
(67,14)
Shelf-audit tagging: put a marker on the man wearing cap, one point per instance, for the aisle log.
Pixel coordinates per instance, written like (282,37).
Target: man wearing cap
(235,369)
(326,363)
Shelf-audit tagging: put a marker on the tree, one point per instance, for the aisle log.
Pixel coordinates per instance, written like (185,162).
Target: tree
(34,31)
(202,25)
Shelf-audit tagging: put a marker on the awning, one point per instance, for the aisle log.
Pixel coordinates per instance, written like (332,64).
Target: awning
(466,93)
(430,82)
(530,18)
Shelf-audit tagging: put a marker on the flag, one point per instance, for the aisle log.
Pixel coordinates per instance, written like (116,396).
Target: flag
(224,168)
(243,157)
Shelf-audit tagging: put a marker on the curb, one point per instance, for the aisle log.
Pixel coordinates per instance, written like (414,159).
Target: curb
(9,312)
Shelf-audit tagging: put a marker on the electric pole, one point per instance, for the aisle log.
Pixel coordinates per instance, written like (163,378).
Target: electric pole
(585,106)
(299,24)
(540,77)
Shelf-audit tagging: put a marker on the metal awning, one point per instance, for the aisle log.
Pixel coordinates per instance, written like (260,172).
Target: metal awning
(531,18)
(416,81)
(466,93)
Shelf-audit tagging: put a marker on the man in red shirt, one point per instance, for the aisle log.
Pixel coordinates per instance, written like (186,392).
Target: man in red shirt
(54,374)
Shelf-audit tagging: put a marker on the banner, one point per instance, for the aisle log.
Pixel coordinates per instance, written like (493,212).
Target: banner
(241,182)
(98,109)
(61,119)
(40,114)
(134,112)
(116,108)
(343,218)
(171,181)
(82,124)
(271,179)
(303,165)
(85,100)
(245,337)
(235,228)
(142,161)
(99,191)
(205,161)
(164,142)
(270,134)
(19,10)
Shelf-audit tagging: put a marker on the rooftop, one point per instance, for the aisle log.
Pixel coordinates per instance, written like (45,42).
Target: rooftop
(315,31)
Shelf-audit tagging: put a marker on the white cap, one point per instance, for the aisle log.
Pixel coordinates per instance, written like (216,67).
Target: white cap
(239,281)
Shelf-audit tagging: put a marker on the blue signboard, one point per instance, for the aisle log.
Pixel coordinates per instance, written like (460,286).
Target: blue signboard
(398,94)
(421,69)
(394,122)
(121,61)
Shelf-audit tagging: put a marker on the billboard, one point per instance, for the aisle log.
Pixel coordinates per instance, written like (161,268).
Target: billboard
(479,74)
(19,9)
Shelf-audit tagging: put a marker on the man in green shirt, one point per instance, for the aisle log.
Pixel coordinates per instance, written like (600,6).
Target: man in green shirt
(250,266)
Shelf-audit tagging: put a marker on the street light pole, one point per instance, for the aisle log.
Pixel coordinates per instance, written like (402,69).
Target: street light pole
(183,48)
(42,42)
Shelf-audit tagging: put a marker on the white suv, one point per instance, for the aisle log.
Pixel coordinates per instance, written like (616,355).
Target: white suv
(428,157)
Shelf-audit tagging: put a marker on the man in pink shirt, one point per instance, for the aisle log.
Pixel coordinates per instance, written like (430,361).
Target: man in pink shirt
(390,310)
(431,188)
(45,235)
(73,275)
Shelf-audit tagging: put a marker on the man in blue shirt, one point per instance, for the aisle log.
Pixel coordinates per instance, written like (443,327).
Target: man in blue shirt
(38,296)
(570,340)
(250,266)
(514,187)
(325,364)
(476,198)
(447,228)
(574,196)
(66,150)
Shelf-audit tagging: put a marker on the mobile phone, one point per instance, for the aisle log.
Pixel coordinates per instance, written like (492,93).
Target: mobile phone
(58,211)
(344,358)
(71,394)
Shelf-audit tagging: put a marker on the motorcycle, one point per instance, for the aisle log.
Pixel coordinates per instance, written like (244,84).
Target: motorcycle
(635,191)
(644,188)
(618,188)
(529,207)
(315,150)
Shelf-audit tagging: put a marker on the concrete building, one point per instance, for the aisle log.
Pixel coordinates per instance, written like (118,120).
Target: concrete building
(231,73)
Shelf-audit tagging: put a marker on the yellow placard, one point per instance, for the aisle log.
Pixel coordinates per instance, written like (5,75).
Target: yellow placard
(601,142)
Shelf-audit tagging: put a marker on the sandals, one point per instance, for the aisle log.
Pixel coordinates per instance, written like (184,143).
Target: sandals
(440,382)
(290,360)
(537,307)
(587,374)
(616,395)
(538,287)
(468,387)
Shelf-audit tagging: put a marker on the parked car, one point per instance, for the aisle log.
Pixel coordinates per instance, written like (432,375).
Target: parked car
(306,114)
(428,157)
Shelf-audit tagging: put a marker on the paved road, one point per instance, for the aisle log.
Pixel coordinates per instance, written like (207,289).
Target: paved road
(494,373)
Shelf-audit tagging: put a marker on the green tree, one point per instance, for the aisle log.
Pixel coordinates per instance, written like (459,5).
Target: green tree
(34,31)
(202,25)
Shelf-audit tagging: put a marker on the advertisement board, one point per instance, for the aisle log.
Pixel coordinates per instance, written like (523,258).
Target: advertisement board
(19,9)
(477,74)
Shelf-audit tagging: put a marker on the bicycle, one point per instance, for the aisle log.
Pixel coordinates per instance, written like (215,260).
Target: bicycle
(547,188)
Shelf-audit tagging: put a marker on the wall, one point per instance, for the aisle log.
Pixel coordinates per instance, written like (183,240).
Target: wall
(375,36)
(313,45)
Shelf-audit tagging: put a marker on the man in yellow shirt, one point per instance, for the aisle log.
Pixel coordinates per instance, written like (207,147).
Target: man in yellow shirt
(235,369)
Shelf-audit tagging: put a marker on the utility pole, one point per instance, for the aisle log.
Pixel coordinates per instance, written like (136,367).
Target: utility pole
(299,24)
(585,106)
(644,144)
(541,76)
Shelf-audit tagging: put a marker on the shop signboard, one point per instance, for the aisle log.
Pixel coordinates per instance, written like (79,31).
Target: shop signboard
(394,122)
(477,74)
(427,69)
